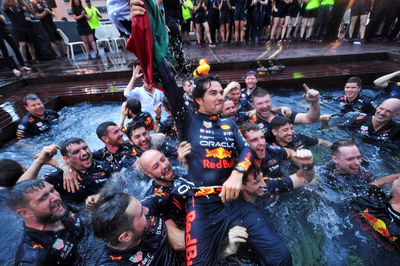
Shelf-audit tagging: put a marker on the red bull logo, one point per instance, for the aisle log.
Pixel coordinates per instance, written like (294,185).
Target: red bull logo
(219,153)
(191,243)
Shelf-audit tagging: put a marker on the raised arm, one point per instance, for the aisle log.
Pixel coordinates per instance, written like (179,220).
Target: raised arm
(379,182)
(383,81)
(135,75)
(312,96)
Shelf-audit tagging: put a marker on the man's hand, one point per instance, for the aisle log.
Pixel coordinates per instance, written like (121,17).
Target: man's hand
(236,235)
(137,72)
(304,157)
(311,95)
(137,8)
(124,109)
(92,200)
(157,110)
(184,148)
(71,179)
(46,154)
(286,111)
(232,187)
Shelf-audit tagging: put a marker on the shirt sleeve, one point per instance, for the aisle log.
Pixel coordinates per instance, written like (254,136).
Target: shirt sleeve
(278,185)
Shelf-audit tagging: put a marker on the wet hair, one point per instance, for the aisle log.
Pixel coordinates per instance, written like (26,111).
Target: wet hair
(233,85)
(67,142)
(30,96)
(133,126)
(109,217)
(340,143)
(202,84)
(10,172)
(166,103)
(17,196)
(355,80)
(134,105)
(102,129)
(248,126)
(253,169)
(279,121)
(258,93)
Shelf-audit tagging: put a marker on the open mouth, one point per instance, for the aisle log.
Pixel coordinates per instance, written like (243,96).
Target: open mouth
(167,173)
(57,207)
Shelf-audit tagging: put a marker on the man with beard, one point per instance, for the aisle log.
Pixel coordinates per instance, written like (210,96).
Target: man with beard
(132,109)
(93,174)
(380,126)
(262,102)
(37,120)
(121,221)
(51,232)
(229,110)
(283,135)
(116,148)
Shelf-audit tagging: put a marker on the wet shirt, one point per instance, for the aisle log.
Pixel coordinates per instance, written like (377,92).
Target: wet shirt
(265,126)
(360,104)
(51,247)
(93,180)
(115,160)
(146,118)
(244,105)
(393,90)
(162,203)
(274,187)
(375,208)
(362,125)
(245,97)
(356,182)
(271,164)
(217,145)
(153,249)
(241,118)
(31,125)
(299,141)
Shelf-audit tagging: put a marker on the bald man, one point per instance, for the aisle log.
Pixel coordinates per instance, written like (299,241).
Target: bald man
(380,126)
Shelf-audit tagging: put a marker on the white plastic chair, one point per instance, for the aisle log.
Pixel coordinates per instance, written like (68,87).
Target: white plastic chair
(102,37)
(115,36)
(70,45)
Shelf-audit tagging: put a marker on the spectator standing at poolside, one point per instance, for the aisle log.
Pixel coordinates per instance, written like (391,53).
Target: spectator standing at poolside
(187,9)
(84,30)
(93,16)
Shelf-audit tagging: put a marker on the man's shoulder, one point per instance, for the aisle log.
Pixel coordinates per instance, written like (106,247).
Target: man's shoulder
(54,176)
(101,166)
(30,252)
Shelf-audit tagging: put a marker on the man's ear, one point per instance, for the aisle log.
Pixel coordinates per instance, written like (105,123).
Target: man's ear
(104,139)
(125,237)
(274,132)
(334,158)
(199,101)
(24,213)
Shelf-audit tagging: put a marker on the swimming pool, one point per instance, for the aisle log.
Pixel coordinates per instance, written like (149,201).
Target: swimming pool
(314,221)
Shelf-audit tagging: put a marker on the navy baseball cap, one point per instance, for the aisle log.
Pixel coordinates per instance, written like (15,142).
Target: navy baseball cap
(250,73)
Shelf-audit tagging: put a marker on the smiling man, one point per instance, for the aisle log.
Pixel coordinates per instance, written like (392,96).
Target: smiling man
(93,174)
(37,120)
(51,232)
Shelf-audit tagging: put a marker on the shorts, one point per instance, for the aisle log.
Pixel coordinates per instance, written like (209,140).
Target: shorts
(200,18)
(225,17)
(282,11)
(51,31)
(84,31)
(358,10)
(238,15)
(25,36)
(311,13)
(185,25)
(293,10)
(302,9)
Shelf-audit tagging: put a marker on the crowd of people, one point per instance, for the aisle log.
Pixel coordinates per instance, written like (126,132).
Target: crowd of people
(238,152)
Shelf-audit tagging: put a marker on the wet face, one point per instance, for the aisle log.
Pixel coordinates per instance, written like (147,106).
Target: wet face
(139,213)
(46,205)
(257,143)
(351,90)
(348,160)
(229,109)
(234,95)
(263,105)
(188,88)
(254,187)
(140,139)
(115,136)
(79,156)
(35,107)
(251,81)
(158,166)
(212,101)
(284,134)
(386,111)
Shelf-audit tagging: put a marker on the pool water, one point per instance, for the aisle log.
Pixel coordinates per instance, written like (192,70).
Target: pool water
(314,222)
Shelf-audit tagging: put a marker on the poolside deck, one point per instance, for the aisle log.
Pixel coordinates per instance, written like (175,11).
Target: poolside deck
(65,82)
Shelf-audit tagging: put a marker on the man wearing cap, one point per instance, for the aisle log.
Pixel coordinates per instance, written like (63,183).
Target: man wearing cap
(250,78)
(232,91)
